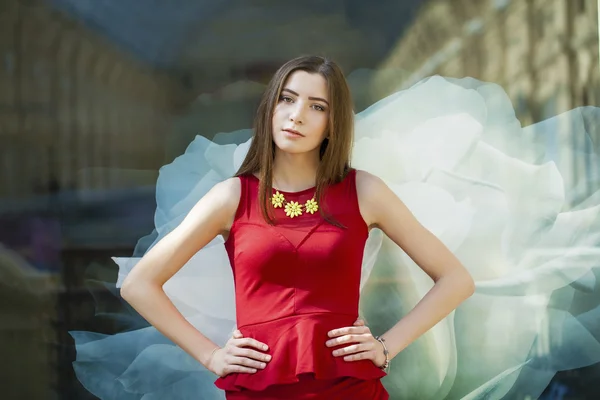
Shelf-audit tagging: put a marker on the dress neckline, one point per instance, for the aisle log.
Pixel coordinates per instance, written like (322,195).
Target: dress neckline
(285,192)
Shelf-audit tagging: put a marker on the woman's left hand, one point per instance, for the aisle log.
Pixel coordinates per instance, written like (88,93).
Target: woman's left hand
(362,345)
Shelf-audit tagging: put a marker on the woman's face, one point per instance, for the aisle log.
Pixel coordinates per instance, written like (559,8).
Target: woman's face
(301,115)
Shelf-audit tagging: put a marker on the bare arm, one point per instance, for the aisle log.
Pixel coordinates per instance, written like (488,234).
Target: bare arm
(381,208)
(143,287)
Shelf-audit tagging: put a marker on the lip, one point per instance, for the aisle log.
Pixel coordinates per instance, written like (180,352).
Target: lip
(293,132)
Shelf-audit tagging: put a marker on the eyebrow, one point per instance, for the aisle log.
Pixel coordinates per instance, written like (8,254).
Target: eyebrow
(310,98)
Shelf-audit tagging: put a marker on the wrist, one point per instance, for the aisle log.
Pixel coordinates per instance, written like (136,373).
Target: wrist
(395,343)
(204,355)
(386,364)
(210,357)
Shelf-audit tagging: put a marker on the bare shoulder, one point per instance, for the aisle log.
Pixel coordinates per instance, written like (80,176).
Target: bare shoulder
(226,195)
(366,181)
(369,189)
(216,210)
(229,191)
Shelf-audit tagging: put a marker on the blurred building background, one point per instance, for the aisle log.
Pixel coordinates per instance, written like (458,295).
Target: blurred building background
(92,86)
(96,96)
(544,53)
(86,91)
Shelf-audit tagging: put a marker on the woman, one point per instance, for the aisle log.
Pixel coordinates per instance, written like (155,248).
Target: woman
(300,231)
(303,140)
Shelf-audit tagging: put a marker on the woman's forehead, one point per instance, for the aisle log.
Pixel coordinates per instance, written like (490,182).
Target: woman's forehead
(307,84)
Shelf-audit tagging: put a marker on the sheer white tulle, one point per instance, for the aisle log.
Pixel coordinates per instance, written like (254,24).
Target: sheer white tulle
(503,198)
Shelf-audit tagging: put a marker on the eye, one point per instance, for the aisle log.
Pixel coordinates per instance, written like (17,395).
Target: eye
(286,99)
(318,107)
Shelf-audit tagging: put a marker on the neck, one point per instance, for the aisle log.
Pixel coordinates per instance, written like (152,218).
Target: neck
(295,172)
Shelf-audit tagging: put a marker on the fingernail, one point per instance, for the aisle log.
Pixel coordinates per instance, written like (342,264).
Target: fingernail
(328,343)
(268,358)
(262,365)
(335,353)
(265,347)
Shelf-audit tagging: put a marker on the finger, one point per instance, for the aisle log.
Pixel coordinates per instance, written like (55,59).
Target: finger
(359,335)
(359,322)
(253,354)
(231,369)
(348,330)
(247,362)
(249,342)
(347,339)
(352,349)
(237,334)
(365,355)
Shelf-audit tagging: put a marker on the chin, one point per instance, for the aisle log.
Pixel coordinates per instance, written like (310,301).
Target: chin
(292,147)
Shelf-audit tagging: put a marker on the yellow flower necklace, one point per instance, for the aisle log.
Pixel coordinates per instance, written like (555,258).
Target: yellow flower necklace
(294,208)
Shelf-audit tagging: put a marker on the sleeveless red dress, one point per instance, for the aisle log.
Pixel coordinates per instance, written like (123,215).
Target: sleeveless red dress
(294,282)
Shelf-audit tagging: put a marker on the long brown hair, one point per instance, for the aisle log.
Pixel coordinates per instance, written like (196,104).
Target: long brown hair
(335,149)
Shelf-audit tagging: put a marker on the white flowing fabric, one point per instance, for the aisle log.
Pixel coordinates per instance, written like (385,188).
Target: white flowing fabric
(503,198)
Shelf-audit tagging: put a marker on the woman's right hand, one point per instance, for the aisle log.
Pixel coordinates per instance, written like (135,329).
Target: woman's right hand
(238,356)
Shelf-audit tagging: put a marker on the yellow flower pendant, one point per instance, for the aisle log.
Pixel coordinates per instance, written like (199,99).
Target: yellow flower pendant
(311,206)
(278,200)
(293,208)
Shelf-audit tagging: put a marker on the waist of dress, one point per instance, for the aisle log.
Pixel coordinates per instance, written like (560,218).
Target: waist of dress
(326,317)
(297,345)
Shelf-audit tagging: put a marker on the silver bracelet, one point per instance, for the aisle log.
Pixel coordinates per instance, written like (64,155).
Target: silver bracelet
(386,365)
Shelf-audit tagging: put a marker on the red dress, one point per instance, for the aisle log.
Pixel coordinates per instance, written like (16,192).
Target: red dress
(294,282)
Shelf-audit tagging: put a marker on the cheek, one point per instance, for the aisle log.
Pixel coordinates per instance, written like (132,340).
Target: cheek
(324,123)
(275,120)
(275,115)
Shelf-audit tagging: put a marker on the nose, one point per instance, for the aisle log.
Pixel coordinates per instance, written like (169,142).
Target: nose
(296,115)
